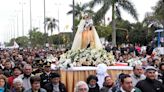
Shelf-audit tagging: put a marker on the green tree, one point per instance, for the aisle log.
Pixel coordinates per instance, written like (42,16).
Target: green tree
(51,24)
(122,31)
(104,31)
(159,11)
(36,38)
(10,43)
(22,41)
(156,18)
(139,34)
(115,5)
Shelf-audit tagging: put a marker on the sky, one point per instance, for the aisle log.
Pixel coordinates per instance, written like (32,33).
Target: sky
(11,15)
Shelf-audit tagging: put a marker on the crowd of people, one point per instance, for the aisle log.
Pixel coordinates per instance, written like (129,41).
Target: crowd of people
(139,81)
(28,70)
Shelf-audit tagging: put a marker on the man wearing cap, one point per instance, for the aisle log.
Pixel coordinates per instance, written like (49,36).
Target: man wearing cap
(45,77)
(150,84)
(55,85)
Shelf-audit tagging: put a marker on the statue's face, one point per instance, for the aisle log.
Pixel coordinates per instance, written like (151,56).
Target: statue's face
(85,17)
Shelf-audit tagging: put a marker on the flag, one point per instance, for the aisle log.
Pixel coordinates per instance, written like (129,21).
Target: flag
(15,45)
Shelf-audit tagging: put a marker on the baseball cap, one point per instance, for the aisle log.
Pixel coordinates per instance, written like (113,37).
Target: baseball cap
(150,68)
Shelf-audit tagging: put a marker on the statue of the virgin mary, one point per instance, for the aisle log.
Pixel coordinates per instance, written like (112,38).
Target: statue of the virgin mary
(86,35)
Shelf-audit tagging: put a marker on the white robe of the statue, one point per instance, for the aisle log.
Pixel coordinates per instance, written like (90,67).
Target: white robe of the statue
(78,37)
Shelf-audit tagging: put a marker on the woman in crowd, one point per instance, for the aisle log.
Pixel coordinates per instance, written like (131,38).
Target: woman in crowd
(107,85)
(3,84)
(92,84)
(17,85)
(35,85)
(81,86)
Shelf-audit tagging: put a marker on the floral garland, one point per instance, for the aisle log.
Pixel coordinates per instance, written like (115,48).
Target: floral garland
(86,57)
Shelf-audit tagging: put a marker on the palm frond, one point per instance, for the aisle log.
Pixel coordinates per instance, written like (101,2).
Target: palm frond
(51,24)
(118,13)
(47,19)
(93,3)
(159,10)
(151,20)
(78,9)
(101,12)
(129,7)
(70,12)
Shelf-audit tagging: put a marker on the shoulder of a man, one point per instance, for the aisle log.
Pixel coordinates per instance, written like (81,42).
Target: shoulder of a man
(21,76)
(140,83)
(61,84)
(42,75)
(137,90)
(29,90)
(42,90)
(48,84)
(62,87)
(158,82)
(103,89)
(143,76)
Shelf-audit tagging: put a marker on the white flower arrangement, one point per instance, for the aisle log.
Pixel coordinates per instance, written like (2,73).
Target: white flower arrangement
(134,61)
(86,57)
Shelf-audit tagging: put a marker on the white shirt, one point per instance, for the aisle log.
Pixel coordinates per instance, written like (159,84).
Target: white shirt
(122,90)
(26,81)
(135,79)
(56,88)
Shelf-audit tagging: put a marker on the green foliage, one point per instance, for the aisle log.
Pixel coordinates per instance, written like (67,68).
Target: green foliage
(76,23)
(122,31)
(10,43)
(139,34)
(51,24)
(60,39)
(37,38)
(104,31)
(22,41)
(159,10)
(54,39)
(156,18)
(116,5)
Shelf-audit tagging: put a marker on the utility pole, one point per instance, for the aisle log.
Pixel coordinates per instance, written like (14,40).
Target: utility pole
(44,15)
(22,20)
(14,28)
(59,27)
(30,17)
(73,29)
(17,27)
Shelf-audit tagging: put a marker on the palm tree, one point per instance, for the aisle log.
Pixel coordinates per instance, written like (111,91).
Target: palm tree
(51,24)
(151,20)
(156,18)
(79,9)
(115,5)
(159,12)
